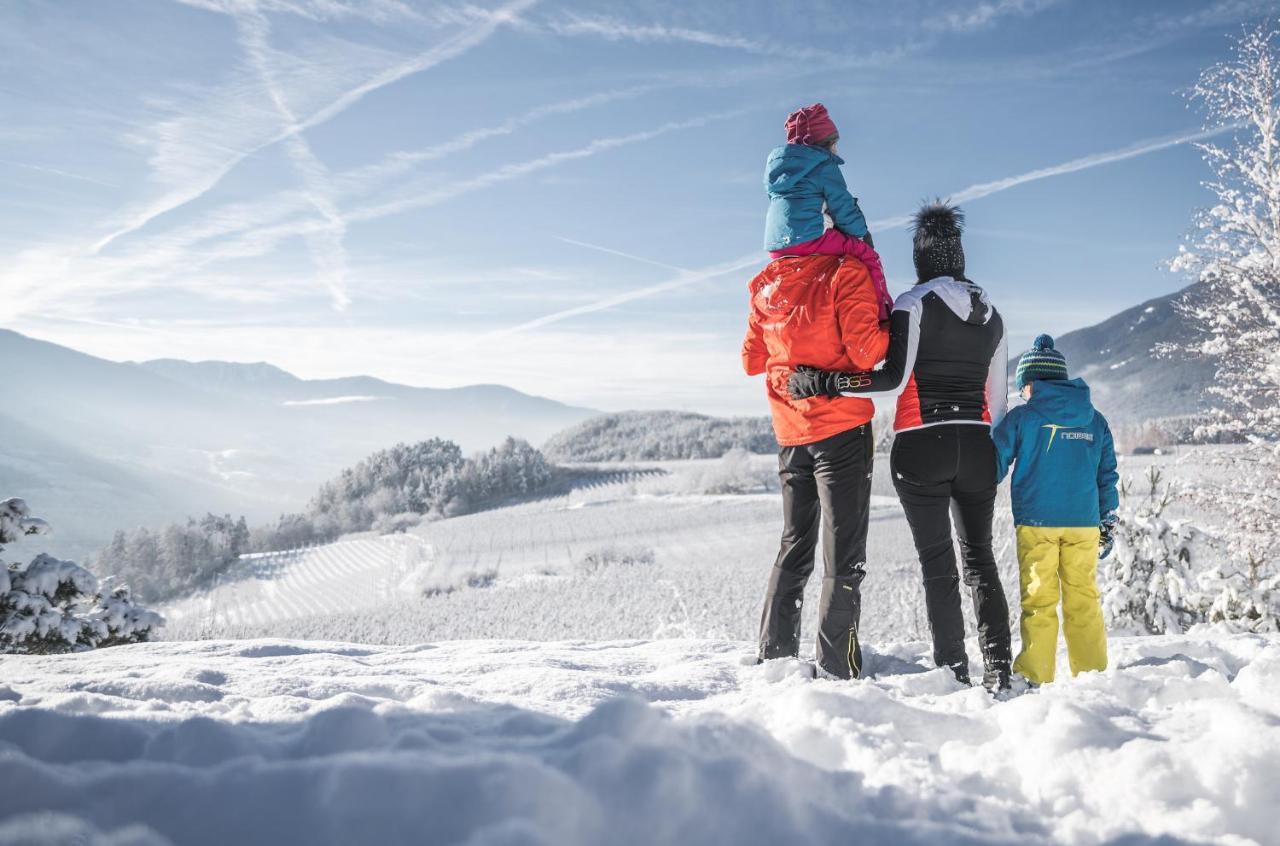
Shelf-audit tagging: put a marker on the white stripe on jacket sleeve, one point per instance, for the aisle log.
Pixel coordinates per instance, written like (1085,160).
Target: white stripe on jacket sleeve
(998,378)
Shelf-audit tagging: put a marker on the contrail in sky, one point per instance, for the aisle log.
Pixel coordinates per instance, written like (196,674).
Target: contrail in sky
(986,189)
(973,192)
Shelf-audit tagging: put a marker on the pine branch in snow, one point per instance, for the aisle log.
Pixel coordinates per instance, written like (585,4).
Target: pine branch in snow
(51,605)
(16,521)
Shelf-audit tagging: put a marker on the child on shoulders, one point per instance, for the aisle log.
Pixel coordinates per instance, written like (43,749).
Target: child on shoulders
(803,180)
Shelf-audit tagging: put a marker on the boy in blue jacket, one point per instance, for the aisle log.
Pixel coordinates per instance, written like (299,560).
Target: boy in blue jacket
(1064,503)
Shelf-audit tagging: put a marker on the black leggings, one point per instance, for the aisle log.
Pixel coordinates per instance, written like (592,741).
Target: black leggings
(944,473)
(831,478)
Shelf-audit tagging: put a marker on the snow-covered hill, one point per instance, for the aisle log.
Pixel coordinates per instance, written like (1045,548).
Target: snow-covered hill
(659,435)
(666,552)
(676,741)
(169,439)
(357,575)
(1130,382)
(643,556)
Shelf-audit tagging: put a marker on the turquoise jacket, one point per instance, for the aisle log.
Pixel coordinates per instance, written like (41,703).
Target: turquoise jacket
(800,179)
(1064,461)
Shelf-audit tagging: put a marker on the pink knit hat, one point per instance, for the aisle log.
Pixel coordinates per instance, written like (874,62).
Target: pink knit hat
(810,125)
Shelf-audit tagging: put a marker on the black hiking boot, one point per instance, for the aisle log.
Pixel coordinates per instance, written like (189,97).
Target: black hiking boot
(961,670)
(995,678)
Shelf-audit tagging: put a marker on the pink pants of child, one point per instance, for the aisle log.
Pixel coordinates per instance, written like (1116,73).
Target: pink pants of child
(833,242)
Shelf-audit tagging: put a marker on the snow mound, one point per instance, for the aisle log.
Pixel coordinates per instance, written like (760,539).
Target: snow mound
(676,741)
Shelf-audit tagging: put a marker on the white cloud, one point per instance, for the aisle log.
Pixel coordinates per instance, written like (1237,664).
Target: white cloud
(192,153)
(314,10)
(516,170)
(58,172)
(613,29)
(335,400)
(326,244)
(986,14)
(257,229)
(360,179)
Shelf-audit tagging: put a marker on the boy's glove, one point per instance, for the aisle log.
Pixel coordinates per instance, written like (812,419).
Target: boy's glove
(1106,536)
(809,381)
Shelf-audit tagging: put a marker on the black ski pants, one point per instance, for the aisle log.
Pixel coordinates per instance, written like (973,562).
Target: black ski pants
(827,483)
(944,473)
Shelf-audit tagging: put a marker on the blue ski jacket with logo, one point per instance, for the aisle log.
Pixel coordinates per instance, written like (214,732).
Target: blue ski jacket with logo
(1064,460)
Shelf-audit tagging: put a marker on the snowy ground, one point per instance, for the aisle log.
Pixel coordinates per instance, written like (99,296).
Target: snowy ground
(672,741)
(650,557)
(578,670)
(266,588)
(638,557)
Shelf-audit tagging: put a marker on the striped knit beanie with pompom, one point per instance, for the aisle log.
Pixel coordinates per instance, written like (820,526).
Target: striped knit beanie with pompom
(1042,361)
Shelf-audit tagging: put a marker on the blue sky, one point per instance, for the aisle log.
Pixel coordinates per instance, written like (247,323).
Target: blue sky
(564,198)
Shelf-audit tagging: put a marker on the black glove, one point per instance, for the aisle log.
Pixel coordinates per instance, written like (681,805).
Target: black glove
(809,381)
(1106,536)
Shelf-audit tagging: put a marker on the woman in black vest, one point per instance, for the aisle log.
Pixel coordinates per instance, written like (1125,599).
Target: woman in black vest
(946,364)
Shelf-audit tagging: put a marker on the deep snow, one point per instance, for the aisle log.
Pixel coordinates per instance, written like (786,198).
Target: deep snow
(672,741)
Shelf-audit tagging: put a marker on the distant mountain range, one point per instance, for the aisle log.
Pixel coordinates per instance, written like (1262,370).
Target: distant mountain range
(1129,382)
(95,445)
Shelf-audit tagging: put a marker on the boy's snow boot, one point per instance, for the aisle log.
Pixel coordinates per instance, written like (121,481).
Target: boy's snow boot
(961,670)
(1019,684)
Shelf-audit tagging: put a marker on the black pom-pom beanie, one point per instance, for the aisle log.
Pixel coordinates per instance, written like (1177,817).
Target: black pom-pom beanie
(936,247)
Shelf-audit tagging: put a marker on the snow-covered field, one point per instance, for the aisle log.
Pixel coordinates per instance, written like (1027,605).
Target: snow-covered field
(671,741)
(579,670)
(349,574)
(645,557)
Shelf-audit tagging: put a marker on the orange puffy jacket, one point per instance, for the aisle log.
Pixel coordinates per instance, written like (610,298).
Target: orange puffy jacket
(815,310)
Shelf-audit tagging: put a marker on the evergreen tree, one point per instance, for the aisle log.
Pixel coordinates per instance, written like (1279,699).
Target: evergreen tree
(50,605)
(1235,255)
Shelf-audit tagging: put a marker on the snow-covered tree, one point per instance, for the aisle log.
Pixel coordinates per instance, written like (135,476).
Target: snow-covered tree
(1159,579)
(50,605)
(1235,255)
(177,558)
(1149,584)
(659,436)
(16,522)
(1235,251)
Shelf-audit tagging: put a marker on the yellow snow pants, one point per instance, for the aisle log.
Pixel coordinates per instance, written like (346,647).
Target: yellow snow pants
(1053,562)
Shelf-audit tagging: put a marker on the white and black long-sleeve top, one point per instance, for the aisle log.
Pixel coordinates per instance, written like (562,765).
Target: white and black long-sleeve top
(947,360)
